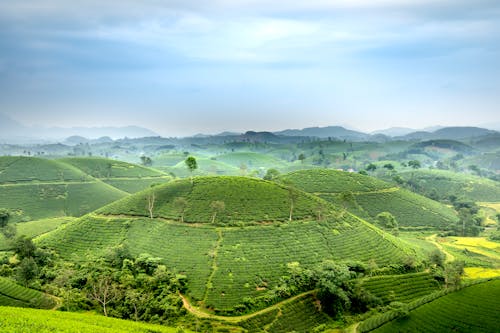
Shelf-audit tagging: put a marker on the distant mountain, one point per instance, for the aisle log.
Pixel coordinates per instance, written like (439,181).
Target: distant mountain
(338,132)
(15,132)
(395,131)
(449,133)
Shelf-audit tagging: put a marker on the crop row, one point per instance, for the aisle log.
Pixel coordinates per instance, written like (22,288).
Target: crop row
(472,309)
(17,295)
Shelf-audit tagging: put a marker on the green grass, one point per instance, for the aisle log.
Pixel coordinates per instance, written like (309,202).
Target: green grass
(446,183)
(37,201)
(334,181)
(301,315)
(400,288)
(127,177)
(13,294)
(225,264)
(45,321)
(31,169)
(373,196)
(245,199)
(472,309)
(251,159)
(35,228)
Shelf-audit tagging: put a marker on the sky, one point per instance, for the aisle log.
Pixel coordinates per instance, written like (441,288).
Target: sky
(182,67)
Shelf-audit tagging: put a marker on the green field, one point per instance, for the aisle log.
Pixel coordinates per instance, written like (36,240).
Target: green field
(14,170)
(45,321)
(127,177)
(472,309)
(228,263)
(373,196)
(245,199)
(446,183)
(13,294)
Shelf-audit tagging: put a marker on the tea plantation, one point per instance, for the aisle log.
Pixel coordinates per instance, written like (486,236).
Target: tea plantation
(44,321)
(13,294)
(372,196)
(472,309)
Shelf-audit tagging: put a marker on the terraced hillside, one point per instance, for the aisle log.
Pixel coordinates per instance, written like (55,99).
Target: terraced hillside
(127,177)
(443,183)
(45,321)
(245,253)
(472,309)
(13,294)
(372,196)
(34,188)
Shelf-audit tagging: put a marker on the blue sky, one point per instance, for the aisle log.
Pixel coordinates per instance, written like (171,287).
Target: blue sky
(183,67)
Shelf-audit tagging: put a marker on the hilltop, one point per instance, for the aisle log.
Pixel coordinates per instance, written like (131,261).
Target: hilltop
(368,196)
(127,177)
(245,253)
(34,188)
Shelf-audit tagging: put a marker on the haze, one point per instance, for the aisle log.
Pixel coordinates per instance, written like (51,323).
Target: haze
(179,68)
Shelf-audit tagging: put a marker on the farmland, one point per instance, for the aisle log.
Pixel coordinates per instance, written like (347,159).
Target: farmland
(472,309)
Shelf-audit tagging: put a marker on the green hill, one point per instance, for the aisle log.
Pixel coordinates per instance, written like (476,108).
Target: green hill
(472,309)
(127,177)
(13,294)
(371,196)
(245,253)
(442,184)
(245,200)
(251,160)
(35,188)
(45,321)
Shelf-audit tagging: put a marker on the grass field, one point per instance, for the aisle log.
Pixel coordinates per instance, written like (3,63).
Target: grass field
(472,309)
(13,294)
(373,196)
(245,200)
(45,321)
(446,183)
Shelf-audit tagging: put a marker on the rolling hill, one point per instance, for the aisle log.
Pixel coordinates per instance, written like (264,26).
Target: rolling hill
(371,196)
(35,188)
(472,309)
(245,252)
(124,176)
(446,183)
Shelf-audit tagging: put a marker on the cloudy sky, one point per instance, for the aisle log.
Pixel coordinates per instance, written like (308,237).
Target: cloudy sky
(186,66)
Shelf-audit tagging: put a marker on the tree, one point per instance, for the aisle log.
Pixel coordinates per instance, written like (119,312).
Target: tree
(320,209)
(27,271)
(332,284)
(389,166)
(4,217)
(217,206)
(181,204)
(271,174)
(191,165)
(151,203)
(437,258)
(24,247)
(103,291)
(387,220)
(453,273)
(371,167)
(302,157)
(474,168)
(414,164)
(146,161)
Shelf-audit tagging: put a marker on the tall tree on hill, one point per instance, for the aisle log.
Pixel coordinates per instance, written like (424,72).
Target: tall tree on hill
(151,203)
(414,164)
(217,206)
(4,217)
(191,165)
(181,203)
(371,167)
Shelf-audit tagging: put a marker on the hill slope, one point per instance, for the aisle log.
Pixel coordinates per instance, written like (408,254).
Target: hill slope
(226,263)
(45,321)
(127,177)
(35,188)
(472,309)
(372,196)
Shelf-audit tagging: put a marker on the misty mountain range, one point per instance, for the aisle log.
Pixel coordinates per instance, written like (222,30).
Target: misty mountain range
(12,131)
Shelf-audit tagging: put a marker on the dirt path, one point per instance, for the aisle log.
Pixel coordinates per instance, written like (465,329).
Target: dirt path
(235,319)
(432,239)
